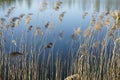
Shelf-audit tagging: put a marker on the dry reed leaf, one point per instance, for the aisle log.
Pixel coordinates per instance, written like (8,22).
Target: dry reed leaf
(115,14)
(30,27)
(107,22)
(73,77)
(60,16)
(115,45)
(60,34)
(96,44)
(14,19)
(83,49)
(17,22)
(57,5)
(106,13)
(92,22)
(49,45)
(27,19)
(114,27)
(84,14)
(98,26)
(43,5)
(15,54)
(21,16)
(12,25)
(87,32)
(49,25)
(110,33)
(37,31)
(118,21)
(76,32)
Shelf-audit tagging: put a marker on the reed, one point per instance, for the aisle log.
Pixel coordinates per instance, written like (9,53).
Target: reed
(91,57)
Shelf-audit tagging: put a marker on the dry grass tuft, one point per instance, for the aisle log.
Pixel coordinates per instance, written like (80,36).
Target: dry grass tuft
(73,77)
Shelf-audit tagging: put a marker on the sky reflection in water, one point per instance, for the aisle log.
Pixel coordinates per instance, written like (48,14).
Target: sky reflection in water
(72,19)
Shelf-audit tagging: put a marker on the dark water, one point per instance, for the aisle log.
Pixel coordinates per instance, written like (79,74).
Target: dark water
(71,20)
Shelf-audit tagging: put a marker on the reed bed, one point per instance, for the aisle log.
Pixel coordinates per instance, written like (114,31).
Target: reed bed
(91,55)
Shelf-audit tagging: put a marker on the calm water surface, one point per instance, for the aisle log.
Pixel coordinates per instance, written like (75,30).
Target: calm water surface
(71,20)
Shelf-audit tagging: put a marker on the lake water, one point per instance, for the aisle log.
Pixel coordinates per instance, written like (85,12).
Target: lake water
(72,19)
(23,38)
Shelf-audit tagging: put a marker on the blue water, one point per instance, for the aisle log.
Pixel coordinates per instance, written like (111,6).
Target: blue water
(71,20)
